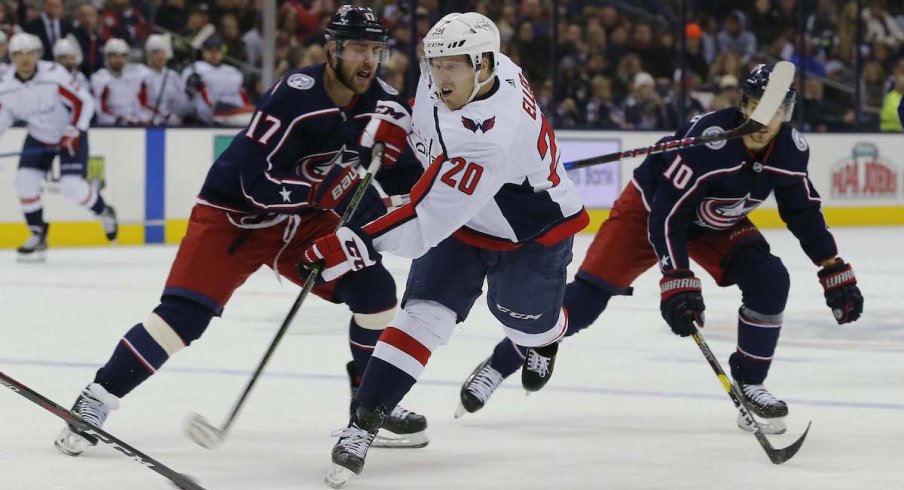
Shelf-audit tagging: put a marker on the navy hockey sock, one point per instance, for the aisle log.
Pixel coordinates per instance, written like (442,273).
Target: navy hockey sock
(35,220)
(757,339)
(508,357)
(361,341)
(383,385)
(99,205)
(584,303)
(135,359)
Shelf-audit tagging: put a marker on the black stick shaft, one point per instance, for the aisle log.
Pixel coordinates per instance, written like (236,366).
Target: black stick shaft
(313,274)
(101,435)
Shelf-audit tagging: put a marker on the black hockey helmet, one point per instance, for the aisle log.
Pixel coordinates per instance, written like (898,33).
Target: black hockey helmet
(755,85)
(358,23)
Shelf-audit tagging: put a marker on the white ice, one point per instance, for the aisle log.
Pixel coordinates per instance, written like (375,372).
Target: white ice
(630,406)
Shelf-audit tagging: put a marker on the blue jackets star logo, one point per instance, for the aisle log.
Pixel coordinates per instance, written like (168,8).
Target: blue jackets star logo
(723,212)
(285,194)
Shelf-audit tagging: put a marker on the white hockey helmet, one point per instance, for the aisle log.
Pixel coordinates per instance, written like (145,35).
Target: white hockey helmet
(67,47)
(116,46)
(470,34)
(159,42)
(24,42)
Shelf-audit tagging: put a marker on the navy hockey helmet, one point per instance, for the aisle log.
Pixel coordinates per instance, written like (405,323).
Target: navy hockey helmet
(755,85)
(358,23)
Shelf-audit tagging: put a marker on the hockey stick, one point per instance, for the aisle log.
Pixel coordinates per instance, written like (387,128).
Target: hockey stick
(772,99)
(139,457)
(30,151)
(777,456)
(197,428)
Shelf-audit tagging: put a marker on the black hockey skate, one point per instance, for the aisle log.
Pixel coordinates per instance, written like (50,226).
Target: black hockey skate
(538,367)
(769,410)
(401,428)
(35,248)
(477,389)
(109,222)
(93,405)
(350,450)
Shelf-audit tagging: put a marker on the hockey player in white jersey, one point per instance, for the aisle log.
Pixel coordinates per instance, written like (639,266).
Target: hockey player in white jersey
(57,114)
(67,52)
(116,86)
(216,89)
(162,93)
(494,204)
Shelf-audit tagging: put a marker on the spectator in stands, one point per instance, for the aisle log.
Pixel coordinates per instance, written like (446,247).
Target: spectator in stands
(785,15)
(172,15)
(726,63)
(198,19)
(820,114)
(609,18)
(534,51)
(9,24)
(881,27)
(847,27)
(693,57)
(67,53)
(122,21)
(306,18)
(117,85)
(49,26)
(735,37)
(643,108)
(602,112)
(727,94)
(655,59)
(780,46)
(672,101)
(568,116)
(507,24)
(253,41)
(617,46)
(5,66)
(762,21)
(231,36)
(811,63)
(822,25)
(889,120)
(90,42)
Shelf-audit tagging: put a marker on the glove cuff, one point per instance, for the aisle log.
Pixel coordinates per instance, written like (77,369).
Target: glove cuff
(837,275)
(678,281)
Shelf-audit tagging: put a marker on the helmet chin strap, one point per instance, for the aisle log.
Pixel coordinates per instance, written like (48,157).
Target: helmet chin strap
(479,85)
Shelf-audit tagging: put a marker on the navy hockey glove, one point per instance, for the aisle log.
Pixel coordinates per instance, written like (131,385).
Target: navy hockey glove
(682,301)
(841,291)
(341,252)
(390,124)
(338,182)
(193,85)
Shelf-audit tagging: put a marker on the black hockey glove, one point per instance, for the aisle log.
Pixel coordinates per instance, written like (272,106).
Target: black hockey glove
(682,301)
(193,85)
(841,291)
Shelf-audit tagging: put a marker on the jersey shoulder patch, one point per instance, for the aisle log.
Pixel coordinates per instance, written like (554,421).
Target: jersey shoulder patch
(300,81)
(711,131)
(799,140)
(387,87)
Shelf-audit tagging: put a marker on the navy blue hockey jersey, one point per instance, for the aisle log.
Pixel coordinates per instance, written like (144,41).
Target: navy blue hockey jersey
(295,135)
(712,187)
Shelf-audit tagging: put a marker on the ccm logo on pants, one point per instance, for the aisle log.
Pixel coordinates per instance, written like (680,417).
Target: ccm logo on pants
(519,316)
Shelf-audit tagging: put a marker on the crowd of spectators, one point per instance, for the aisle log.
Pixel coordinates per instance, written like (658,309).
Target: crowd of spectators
(607,64)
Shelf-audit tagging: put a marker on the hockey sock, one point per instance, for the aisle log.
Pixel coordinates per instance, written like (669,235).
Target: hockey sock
(99,205)
(584,303)
(135,359)
(508,357)
(35,219)
(757,339)
(361,341)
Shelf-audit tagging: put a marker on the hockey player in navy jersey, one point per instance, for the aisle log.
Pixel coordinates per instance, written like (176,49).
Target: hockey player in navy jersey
(57,113)
(694,203)
(276,188)
(494,204)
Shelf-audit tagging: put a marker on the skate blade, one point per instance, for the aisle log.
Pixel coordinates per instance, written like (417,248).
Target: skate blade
(338,476)
(32,258)
(768,426)
(391,440)
(70,443)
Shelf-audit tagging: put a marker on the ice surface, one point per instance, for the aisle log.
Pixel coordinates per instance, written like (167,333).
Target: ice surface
(630,405)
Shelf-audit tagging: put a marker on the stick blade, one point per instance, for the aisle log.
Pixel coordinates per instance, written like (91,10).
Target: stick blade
(202,432)
(779,82)
(779,456)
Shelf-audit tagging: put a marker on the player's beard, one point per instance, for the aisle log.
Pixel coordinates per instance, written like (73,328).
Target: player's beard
(349,79)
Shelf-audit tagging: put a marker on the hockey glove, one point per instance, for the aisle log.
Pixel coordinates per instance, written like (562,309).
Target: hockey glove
(841,291)
(193,85)
(682,301)
(341,252)
(338,182)
(389,124)
(69,141)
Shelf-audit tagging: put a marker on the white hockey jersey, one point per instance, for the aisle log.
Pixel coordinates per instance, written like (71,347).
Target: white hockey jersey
(167,107)
(222,85)
(117,95)
(48,103)
(494,178)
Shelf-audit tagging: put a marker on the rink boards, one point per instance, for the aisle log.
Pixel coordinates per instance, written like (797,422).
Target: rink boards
(152,177)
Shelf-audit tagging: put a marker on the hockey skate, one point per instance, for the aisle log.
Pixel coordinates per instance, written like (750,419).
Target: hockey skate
(351,449)
(478,388)
(770,412)
(109,222)
(538,367)
(35,248)
(92,406)
(401,428)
